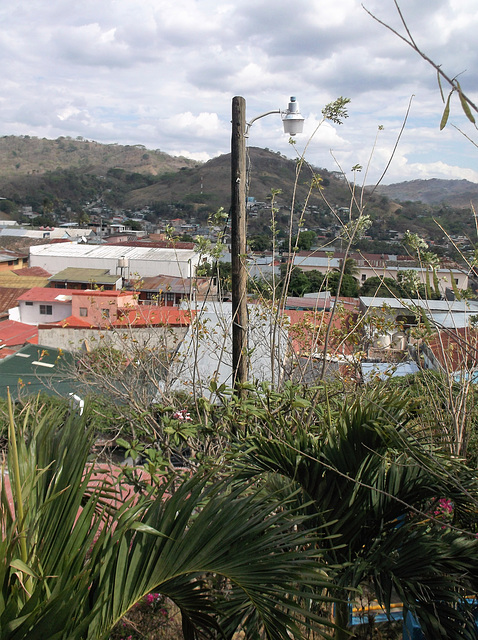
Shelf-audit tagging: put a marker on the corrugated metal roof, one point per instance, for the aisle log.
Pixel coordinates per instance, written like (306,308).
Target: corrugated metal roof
(6,255)
(25,282)
(112,252)
(79,274)
(33,272)
(34,369)
(9,297)
(458,306)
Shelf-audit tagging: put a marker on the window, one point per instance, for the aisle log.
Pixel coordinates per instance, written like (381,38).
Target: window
(83,312)
(364,277)
(46,310)
(29,303)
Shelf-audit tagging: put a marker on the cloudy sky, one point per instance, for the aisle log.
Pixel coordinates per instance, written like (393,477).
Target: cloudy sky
(163,74)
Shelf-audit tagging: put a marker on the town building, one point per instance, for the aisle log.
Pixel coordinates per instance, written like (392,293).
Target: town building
(127,261)
(171,291)
(450,275)
(10,260)
(79,278)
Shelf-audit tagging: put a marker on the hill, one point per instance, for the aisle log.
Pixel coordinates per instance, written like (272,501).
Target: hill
(26,155)
(454,193)
(210,183)
(62,176)
(73,172)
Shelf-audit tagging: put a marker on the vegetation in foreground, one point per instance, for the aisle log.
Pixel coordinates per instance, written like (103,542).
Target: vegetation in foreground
(312,500)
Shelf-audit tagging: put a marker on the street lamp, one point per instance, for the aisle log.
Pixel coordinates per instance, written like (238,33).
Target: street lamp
(293,123)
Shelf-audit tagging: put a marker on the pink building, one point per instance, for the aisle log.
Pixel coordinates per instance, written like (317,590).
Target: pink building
(102,308)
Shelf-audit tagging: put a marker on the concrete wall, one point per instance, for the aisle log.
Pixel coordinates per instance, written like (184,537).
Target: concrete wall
(128,340)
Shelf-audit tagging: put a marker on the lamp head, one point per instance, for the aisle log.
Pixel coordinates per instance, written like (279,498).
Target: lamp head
(292,119)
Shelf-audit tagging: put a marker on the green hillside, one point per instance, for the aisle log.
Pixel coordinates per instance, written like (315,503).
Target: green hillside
(63,175)
(26,155)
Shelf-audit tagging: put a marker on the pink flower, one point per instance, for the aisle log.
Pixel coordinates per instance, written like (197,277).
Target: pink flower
(182,415)
(151,598)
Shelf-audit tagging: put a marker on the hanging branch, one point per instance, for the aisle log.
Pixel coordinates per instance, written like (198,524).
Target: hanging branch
(466,103)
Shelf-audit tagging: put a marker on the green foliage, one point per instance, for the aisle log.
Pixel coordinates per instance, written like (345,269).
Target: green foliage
(260,242)
(220,270)
(83,554)
(7,206)
(406,286)
(298,283)
(381,287)
(349,286)
(336,111)
(302,282)
(134,225)
(304,241)
(366,480)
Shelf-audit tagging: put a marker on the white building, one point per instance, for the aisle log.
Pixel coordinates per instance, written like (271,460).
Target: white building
(50,233)
(205,355)
(41,304)
(131,262)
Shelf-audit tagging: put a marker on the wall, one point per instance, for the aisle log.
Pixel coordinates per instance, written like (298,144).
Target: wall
(128,340)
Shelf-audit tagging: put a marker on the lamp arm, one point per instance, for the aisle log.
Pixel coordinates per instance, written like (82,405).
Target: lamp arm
(249,124)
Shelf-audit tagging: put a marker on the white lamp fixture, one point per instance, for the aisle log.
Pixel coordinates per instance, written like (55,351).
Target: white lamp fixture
(292,119)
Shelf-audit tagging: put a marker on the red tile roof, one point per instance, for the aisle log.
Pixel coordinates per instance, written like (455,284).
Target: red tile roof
(16,333)
(307,332)
(455,349)
(72,321)
(146,315)
(40,294)
(32,271)
(140,316)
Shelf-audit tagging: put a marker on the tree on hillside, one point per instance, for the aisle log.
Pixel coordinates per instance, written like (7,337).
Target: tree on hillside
(304,241)
(348,266)
(134,225)
(376,286)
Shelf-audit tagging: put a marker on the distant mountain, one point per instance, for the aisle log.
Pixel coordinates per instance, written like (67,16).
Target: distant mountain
(26,155)
(70,171)
(210,183)
(455,193)
(63,175)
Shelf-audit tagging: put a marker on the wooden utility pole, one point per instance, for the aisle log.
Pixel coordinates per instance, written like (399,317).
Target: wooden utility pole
(238,244)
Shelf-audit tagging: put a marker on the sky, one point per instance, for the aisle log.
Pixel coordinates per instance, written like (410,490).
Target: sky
(163,75)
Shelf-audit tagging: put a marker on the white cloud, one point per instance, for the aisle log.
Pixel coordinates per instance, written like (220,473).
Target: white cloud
(163,75)
(204,125)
